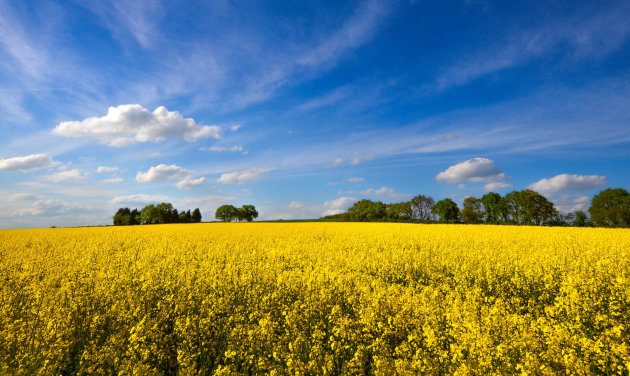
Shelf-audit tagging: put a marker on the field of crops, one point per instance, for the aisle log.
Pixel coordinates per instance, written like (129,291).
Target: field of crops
(315,298)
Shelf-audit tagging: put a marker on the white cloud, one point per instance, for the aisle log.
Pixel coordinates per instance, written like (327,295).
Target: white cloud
(106,169)
(473,170)
(461,186)
(571,203)
(235,127)
(139,199)
(566,182)
(356,180)
(331,183)
(339,205)
(113,180)
(240,177)
(495,186)
(26,163)
(190,183)
(296,205)
(356,161)
(28,204)
(162,172)
(127,124)
(337,162)
(384,191)
(68,175)
(219,148)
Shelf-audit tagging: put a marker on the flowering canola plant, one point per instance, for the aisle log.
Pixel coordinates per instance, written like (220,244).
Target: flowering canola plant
(315,299)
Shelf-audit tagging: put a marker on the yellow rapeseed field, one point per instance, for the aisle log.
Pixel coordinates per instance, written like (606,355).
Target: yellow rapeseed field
(315,299)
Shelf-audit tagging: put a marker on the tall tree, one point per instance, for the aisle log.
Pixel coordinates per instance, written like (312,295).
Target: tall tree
(247,213)
(358,211)
(400,210)
(123,217)
(611,208)
(196,215)
(473,210)
(421,206)
(226,213)
(165,212)
(491,207)
(447,210)
(580,219)
(149,215)
(528,207)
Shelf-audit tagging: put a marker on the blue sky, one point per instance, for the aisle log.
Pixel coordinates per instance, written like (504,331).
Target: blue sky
(302,108)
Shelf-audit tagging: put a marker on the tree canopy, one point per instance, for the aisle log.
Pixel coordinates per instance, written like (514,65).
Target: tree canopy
(155,214)
(229,213)
(447,210)
(611,208)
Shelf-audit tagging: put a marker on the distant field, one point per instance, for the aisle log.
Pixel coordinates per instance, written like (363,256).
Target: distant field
(315,298)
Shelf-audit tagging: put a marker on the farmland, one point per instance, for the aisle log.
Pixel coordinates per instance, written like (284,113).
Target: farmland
(315,298)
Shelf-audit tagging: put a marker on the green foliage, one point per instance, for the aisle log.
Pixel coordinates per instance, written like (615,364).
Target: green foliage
(421,206)
(153,214)
(247,213)
(368,211)
(580,219)
(447,210)
(226,213)
(611,208)
(530,208)
(473,210)
(491,207)
(400,210)
(126,217)
(196,216)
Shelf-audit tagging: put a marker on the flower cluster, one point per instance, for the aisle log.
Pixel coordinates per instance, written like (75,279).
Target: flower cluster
(315,299)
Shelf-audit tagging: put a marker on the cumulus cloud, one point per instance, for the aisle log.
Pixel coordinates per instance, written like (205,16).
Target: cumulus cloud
(113,180)
(131,123)
(235,127)
(473,170)
(356,180)
(26,163)
(571,203)
(28,204)
(106,169)
(240,177)
(566,182)
(219,148)
(339,205)
(68,175)
(495,186)
(162,172)
(190,183)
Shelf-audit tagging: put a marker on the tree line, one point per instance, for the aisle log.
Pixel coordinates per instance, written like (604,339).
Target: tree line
(155,214)
(229,213)
(609,208)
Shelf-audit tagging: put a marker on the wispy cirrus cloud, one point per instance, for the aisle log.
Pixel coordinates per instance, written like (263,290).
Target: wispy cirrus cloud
(591,35)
